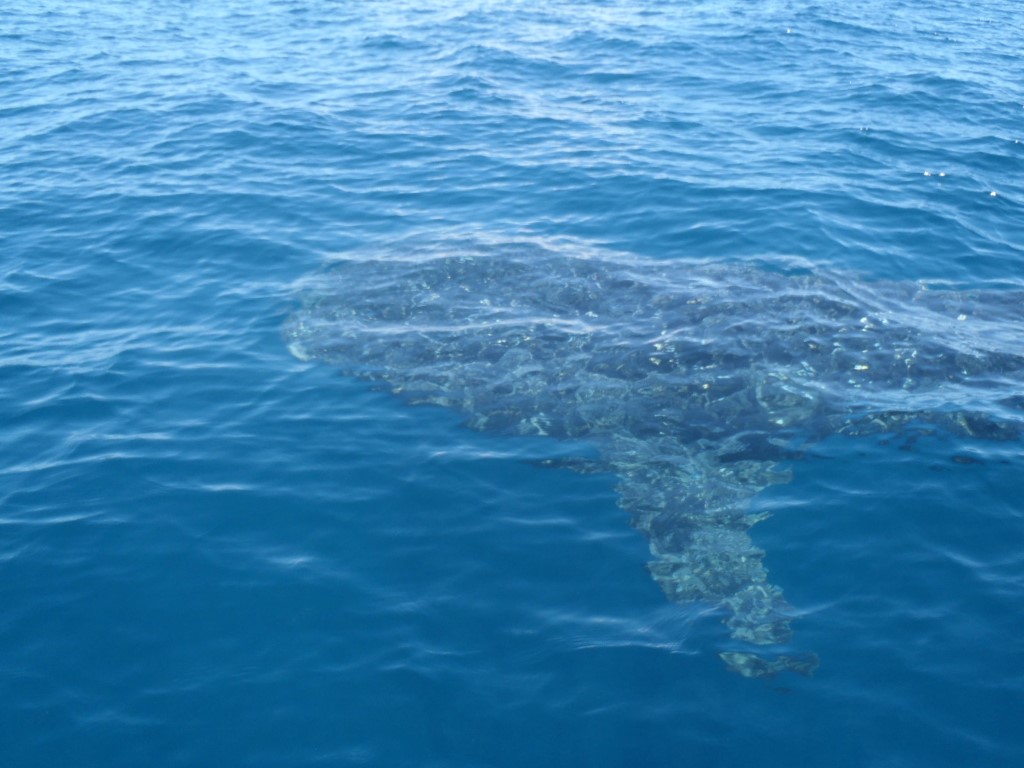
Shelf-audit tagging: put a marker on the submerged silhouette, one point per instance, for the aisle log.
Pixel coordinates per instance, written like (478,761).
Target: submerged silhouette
(694,381)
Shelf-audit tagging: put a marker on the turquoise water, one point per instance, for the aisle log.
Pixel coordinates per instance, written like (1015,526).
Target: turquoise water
(212,552)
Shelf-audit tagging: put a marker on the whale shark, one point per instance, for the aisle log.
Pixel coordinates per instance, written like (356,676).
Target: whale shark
(697,383)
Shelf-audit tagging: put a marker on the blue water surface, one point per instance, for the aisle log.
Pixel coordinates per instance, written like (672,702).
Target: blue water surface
(213,553)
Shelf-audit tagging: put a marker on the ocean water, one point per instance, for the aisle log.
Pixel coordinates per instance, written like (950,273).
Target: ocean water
(213,552)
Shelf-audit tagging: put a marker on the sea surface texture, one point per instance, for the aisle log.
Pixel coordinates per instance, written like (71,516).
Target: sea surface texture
(463,384)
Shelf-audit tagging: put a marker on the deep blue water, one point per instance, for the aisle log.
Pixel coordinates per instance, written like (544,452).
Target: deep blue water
(213,553)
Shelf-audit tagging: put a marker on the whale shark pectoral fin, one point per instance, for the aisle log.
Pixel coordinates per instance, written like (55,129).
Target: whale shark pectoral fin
(759,615)
(755,665)
(695,511)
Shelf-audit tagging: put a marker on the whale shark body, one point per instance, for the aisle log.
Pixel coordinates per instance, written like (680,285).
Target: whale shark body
(697,383)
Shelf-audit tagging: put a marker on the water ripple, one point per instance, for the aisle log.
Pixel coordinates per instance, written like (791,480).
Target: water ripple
(195,529)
